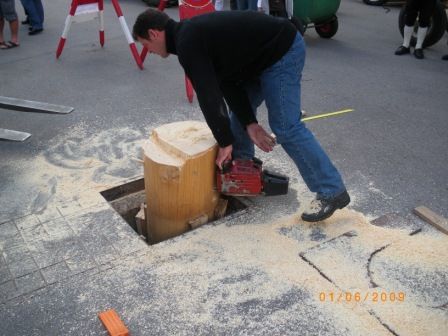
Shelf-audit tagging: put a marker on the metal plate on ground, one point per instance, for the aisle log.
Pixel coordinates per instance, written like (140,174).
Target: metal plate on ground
(6,134)
(32,106)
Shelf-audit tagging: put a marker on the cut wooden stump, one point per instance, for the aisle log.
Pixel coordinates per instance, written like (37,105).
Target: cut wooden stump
(179,169)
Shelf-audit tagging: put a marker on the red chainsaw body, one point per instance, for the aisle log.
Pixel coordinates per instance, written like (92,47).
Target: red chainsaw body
(241,178)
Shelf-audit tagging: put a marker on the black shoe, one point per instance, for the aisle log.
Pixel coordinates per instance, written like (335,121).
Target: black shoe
(35,31)
(321,209)
(418,53)
(401,50)
(26,21)
(445,57)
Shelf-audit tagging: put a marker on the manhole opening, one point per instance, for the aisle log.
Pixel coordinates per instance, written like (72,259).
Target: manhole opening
(129,200)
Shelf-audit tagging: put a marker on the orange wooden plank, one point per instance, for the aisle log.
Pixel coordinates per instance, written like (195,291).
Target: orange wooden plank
(113,323)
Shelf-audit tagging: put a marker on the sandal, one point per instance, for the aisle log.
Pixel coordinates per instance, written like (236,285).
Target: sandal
(13,44)
(4,45)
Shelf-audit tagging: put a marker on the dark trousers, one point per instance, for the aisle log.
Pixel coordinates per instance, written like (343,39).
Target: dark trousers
(421,8)
(35,12)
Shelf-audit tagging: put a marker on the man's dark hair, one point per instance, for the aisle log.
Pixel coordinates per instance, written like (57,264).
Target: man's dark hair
(149,19)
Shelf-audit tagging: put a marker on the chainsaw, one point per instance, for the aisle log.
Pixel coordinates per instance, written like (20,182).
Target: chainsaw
(247,178)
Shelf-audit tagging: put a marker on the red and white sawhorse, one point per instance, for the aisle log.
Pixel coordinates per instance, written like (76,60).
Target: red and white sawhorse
(85,10)
(187,9)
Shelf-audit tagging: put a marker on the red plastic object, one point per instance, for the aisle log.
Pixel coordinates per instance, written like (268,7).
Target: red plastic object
(240,178)
(190,8)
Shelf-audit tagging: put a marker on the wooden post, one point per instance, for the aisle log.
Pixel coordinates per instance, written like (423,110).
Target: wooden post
(179,169)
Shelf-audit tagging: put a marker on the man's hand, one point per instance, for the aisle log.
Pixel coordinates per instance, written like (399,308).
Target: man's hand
(260,137)
(224,154)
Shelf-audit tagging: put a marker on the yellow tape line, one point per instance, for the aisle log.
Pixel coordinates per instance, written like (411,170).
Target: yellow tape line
(325,115)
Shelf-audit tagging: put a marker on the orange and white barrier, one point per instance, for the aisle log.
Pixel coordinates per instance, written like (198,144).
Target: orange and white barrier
(86,10)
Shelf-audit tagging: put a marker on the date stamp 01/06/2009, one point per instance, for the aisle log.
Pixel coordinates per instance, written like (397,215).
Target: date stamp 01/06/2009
(375,297)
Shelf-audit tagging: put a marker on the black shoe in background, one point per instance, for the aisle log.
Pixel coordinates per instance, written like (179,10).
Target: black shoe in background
(445,57)
(418,53)
(321,209)
(35,31)
(401,50)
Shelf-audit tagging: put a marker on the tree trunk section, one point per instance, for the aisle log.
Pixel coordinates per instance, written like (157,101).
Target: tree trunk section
(179,169)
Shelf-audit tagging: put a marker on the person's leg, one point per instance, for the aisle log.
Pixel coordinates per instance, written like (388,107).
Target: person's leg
(33,14)
(281,89)
(411,12)
(407,35)
(252,5)
(2,25)
(426,9)
(243,147)
(14,25)
(40,10)
(9,14)
(421,35)
(242,4)
(27,19)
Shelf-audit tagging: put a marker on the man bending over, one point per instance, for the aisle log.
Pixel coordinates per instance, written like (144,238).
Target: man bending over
(243,58)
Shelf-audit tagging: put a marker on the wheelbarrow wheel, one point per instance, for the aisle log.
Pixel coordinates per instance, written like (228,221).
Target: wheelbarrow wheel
(375,2)
(327,29)
(436,29)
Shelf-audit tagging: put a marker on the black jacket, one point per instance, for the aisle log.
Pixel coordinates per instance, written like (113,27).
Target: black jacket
(220,52)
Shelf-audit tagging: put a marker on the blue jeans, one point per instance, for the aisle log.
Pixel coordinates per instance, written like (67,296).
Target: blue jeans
(35,12)
(279,87)
(246,4)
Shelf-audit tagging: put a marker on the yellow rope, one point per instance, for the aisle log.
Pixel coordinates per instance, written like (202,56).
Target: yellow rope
(325,115)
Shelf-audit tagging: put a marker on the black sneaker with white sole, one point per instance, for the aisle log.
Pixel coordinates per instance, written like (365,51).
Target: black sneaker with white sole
(321,209)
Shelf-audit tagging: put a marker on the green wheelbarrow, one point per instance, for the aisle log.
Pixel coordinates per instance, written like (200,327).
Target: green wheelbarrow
(320,14)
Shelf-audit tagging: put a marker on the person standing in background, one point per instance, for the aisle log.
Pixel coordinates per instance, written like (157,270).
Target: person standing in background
(413,8)
(8,13)
(35,12)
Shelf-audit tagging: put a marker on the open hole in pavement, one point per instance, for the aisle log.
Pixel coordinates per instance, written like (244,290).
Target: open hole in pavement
(129,201)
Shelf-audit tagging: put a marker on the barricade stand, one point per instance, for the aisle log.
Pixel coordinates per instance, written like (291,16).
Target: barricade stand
(86,10)
(187,9)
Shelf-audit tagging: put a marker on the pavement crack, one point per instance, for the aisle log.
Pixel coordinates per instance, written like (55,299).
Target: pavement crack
(371,312)
(442,307)
(373,284)
(302,255)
